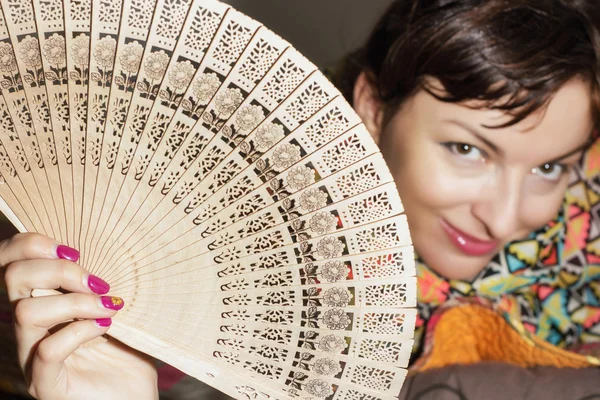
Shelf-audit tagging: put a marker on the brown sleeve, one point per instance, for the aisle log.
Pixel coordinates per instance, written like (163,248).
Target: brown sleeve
(494,381)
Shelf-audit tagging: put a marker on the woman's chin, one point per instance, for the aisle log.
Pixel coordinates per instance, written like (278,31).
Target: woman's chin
(451,265)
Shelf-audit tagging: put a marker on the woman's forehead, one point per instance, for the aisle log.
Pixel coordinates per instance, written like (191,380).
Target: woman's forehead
(563,125)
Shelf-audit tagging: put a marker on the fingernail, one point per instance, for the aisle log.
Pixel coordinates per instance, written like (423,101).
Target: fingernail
(67,253)
(103,322)
(97,285)
(112,302)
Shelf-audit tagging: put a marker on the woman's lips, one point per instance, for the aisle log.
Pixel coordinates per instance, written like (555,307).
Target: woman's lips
(468,244)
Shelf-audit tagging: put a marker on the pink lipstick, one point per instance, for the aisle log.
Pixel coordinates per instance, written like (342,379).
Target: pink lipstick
(468,244)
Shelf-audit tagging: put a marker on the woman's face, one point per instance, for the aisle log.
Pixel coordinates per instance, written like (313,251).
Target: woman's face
(468,190)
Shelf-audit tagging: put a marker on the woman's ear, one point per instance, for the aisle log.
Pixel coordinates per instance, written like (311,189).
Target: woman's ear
(368,106)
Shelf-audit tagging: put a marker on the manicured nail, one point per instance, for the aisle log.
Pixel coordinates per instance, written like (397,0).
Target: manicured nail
(97,285)
(103,322)
(67,253)
(112,302)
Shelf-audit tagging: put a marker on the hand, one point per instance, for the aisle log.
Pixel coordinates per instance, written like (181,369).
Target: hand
(55,354)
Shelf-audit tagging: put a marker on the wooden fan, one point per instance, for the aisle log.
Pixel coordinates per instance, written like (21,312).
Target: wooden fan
(221,185)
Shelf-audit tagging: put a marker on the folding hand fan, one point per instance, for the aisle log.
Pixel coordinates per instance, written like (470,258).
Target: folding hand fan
(219,183)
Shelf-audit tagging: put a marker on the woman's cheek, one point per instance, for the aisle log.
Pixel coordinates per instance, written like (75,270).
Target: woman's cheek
(426,187)
(538,210)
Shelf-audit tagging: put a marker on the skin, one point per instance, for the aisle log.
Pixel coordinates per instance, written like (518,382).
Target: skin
(492,183)
(487,191)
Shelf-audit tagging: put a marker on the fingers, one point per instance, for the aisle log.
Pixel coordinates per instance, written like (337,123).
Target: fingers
(35,316)
(29,246)
(46,312)
(23,276)
(47,366)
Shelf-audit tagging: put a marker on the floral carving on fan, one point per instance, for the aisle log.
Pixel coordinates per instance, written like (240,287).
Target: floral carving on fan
(54,52)
(316,387)
(203,89)
(154,68)
(226,103)
(80,51)
(8,64)
(300,177)
(104,55)
(205,86)
(248,118)
(179,77)
(29,54)
(130,59)
(266,136)
(331,272)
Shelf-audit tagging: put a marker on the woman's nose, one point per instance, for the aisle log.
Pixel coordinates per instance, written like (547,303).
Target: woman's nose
(498,208)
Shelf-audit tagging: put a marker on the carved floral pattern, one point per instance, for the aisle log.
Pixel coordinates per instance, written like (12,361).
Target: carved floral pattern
(181,74)
(104,52)
(334,271)
(131,57)
(249,117)
(8,63)
(156,65)
(205,86)
(300,177)
(267,135)
(54,50)
(227,101)
(30,53)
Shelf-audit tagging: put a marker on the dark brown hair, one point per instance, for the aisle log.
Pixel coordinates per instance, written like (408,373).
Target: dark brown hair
(512,55)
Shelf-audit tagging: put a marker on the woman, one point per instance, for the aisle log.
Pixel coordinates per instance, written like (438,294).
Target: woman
(482,109)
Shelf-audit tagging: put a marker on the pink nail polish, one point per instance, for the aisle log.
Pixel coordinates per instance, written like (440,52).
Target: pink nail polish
(97,285)
(112,302)
(67,253)
(103,322)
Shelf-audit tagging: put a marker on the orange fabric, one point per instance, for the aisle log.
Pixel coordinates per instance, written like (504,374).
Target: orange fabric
(471,333)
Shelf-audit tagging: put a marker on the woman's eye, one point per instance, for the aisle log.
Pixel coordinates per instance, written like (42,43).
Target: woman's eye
(550,171)
(465,151)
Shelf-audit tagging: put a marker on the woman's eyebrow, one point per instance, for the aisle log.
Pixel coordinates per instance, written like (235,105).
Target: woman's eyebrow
(572,152)
(474,132)
(497,150)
